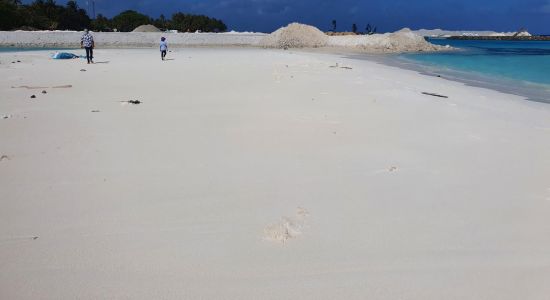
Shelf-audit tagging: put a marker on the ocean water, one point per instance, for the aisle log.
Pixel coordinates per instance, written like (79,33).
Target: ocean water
(517,67)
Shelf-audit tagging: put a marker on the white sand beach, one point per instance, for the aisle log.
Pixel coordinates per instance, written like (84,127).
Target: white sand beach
(266,174)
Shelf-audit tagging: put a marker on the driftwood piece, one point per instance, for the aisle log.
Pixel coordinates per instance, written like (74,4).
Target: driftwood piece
(435,95)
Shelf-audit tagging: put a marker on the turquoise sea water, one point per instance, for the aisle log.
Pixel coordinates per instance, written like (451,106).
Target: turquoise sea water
(513,66)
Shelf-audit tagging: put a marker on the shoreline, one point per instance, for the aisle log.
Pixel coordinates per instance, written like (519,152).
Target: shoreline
(535,92)
(531,91)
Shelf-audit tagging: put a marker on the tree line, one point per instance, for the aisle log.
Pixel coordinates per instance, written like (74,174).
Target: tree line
(48,15)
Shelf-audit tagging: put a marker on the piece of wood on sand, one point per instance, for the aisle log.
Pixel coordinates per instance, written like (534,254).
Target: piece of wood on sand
(435,95)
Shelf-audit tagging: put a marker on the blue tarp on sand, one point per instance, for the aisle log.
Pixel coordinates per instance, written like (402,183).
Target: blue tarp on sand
(64,55)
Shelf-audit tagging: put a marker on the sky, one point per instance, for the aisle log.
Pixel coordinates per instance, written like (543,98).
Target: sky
(386,15)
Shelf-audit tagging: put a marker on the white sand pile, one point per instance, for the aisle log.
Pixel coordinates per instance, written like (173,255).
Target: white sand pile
(295,35)
(403,40)
(146,28)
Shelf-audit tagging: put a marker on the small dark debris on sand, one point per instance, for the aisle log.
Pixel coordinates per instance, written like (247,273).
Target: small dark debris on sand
(33,96)
(82,70)
(435,95)
(132,101)
(392,169)
(35,238)
(4,157)
(44,92)
(18,61)
(95,111)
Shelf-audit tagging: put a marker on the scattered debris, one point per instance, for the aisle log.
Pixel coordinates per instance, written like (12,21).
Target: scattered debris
(33,96)
(131,101)
(82,70)
(44,92)
(95,111)
(18,61)
(62,86)
(6,116)
(435,95)
(392,169)
(34,237)
(4,157)
(338,66)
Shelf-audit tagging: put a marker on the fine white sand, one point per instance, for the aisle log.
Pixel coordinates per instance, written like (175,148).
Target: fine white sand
(266,174)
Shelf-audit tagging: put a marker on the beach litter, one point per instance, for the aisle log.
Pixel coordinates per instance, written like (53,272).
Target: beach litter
(33,96)
(338,66)
(82,70)
(135,102)
(44,92)
(435,95)
(95,111)
(64,55)
(4,157)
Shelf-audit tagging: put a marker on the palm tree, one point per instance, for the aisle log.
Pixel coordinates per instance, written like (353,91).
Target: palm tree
(354,28)
(333,25)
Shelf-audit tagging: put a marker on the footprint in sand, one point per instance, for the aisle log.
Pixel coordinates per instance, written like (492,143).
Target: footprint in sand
(287,228)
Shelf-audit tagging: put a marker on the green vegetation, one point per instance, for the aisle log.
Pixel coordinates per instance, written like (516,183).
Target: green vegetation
(42,14)
(129,20)
(48,15)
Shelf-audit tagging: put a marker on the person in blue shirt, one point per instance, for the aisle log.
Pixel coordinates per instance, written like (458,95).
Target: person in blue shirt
(163,47)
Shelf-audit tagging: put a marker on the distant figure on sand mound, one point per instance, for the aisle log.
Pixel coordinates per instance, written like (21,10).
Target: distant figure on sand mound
(87,42)
(163,47)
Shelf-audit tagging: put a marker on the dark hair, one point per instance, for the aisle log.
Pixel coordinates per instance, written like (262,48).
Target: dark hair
(163,39)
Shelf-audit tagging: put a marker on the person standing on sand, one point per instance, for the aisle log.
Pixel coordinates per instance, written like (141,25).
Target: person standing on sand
(163,47)
(87,42)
